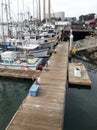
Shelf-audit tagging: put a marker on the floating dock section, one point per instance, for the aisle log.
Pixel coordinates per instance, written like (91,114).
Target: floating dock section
(19,73)
(83,80)
(46,110)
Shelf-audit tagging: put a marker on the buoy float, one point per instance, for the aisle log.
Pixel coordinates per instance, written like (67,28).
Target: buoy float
(39,67)
(27,68)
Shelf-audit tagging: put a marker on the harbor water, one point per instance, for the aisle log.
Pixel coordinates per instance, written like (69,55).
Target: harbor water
(81,104)
(12,93)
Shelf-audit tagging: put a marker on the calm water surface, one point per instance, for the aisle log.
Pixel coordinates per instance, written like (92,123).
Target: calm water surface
(81,107)
(12,93)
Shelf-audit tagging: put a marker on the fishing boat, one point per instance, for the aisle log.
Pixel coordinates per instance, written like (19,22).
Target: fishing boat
(45,41)
(34,50)
(14,60)
(39,53)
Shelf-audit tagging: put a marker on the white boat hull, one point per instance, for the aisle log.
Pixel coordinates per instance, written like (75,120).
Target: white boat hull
(47,44)
(21,66)
(39,53)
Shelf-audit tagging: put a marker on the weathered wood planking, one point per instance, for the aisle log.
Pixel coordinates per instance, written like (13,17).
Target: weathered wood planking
(19,73)
(45,111)
(83,80)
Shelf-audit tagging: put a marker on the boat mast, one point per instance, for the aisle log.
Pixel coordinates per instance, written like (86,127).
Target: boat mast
(28,13)
(18,10)
(17,25)
(49,10)
(6,9)
(44,17)
(39,11)
(33,8)
(2,21)
(10,19)
(9,9)
(23,10)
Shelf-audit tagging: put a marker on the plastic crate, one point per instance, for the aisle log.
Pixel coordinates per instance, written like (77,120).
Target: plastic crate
(34,90)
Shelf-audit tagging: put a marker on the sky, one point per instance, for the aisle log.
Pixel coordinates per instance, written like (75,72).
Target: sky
(75,7)
(71,8)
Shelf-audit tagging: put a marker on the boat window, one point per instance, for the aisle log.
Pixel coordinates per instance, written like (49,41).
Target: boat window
(32,37)
(50,31)
(37,37)
(53,35)
(23,37)
(19,43)
(45,40)
(46,36)
(1,49)
(13,43)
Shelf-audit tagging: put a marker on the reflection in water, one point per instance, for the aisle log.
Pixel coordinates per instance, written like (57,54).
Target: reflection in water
(12,93)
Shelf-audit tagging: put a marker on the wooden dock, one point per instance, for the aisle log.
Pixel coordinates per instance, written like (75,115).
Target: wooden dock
(83,80)
(19,73)
(46,111)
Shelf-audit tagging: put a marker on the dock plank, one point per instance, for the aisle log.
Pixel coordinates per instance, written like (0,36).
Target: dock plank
(19,73)
(32,127)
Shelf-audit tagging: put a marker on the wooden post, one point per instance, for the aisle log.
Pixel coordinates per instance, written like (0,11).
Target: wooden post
(71,40)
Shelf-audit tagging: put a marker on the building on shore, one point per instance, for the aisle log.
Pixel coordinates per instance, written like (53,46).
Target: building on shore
(58,15)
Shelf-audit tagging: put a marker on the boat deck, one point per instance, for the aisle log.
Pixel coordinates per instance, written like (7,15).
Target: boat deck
(46,110)
(83,80)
